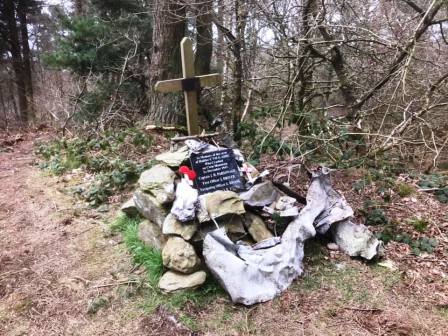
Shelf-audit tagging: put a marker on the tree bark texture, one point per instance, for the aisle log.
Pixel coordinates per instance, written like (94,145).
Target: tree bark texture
(237,106)
(17,60)
(165,63)
(26,57)
(204,38)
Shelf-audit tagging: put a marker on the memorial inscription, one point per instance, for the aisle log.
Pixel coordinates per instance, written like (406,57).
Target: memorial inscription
(216,170)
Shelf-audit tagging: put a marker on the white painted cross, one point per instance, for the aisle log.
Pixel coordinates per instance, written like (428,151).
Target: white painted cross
(189,84)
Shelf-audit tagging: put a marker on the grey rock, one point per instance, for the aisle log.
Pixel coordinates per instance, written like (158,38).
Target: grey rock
(172,226)
(238,155)
(151,234)
(203,230)
(261,194)
(174,159)
(219,203)
(129,208)
(284,203)
(356,240)
(180,256)
(173,281)
(234,224)
(149,207)
(257,227)
(185,204)
(159,181)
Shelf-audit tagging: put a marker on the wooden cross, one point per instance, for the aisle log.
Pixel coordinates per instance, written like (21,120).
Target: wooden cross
(189,84)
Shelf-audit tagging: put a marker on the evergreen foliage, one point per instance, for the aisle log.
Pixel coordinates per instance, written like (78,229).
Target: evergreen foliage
(106,49)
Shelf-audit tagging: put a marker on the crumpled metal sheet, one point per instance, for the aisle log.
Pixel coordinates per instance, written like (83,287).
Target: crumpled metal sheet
(256,275)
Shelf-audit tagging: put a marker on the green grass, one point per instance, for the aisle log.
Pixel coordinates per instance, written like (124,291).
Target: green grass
(419,224)
(404,190)
(151,259)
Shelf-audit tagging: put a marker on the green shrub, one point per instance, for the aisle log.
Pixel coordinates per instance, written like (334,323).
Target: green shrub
(376,217)
(419,224)
(424,244)
(108,156)
(404,190)
(438,182)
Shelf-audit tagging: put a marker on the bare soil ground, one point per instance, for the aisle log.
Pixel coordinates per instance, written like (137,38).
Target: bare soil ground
(55,257)
(61,273)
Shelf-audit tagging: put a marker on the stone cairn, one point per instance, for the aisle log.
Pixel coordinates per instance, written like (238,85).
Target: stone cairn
(177,219)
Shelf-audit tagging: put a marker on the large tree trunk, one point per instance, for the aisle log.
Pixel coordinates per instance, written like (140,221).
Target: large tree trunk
(17,61)
(203,58)
(27,57)
(204,38)
(168,31)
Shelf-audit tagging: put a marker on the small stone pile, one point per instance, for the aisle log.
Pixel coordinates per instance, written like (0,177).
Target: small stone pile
(177,219)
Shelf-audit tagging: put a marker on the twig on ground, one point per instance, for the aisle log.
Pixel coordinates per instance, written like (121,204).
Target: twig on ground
(203,136)
(4,275)
(364,309)
(118,283)
(429,189)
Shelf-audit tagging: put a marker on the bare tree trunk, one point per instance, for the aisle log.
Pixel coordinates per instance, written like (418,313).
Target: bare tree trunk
(337,59)
(204,39)
(17,61)
(219,50)
(169,29)
(237,105)
(5,115)
(27,57)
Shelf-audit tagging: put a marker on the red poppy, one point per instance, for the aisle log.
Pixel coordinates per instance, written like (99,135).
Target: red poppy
(184,169)
(191,175)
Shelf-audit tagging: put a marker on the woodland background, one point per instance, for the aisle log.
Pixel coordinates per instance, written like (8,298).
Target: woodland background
(360,86)
(340,79)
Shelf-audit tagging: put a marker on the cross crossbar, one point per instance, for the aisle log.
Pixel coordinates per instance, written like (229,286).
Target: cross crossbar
(189,84)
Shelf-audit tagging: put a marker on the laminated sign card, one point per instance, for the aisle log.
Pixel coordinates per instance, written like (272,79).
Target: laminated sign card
(216,170)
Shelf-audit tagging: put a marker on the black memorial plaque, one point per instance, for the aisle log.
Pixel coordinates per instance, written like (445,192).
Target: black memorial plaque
(216,171)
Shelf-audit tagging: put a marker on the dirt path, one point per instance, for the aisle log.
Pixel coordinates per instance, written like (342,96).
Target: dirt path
(60,270)
(53,257)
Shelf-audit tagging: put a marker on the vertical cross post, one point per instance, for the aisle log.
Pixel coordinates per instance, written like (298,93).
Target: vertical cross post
(191,96)
(189,84)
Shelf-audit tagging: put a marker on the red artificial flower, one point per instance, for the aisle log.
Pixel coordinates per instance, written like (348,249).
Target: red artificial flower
(184,169)
(191,175)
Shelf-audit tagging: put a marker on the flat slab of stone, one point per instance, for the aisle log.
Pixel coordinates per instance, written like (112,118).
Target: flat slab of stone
(129,208)
(174,159)
(151,234)
(256,227)
(179,255)
(260,195)
(172,281)
(172,226)
(219,203)
(149,207)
